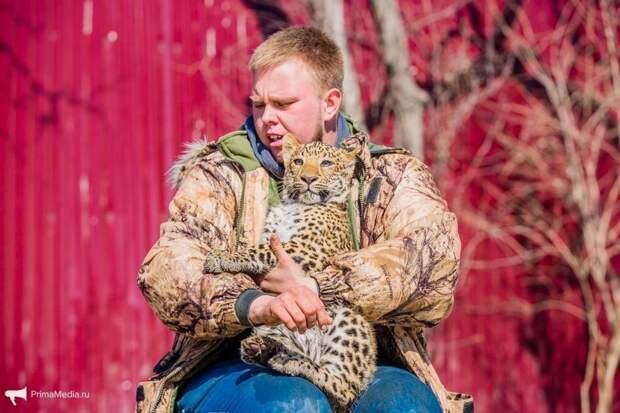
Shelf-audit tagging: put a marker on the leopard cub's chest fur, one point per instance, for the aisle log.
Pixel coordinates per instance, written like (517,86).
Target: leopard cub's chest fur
(320,231)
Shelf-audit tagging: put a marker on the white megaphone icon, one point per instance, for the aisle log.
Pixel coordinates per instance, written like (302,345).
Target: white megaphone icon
(12,394)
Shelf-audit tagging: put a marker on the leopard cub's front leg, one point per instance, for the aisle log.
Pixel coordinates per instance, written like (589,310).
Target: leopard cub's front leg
(255,260)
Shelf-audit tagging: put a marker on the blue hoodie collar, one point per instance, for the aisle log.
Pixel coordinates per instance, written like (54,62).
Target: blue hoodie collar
(264,156)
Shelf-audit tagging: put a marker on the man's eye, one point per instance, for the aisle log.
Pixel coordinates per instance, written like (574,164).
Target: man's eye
(282,105)
(298,161)
(326,163)
(258,105)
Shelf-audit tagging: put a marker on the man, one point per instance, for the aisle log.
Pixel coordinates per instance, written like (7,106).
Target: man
(401,276)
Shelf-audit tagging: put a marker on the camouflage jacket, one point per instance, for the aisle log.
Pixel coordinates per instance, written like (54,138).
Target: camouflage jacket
(402,278)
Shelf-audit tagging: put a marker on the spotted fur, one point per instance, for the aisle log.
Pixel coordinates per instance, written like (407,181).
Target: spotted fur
(312,223)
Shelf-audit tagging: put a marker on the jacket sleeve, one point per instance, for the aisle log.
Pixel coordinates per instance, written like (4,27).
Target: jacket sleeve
(408,276)
(202,217)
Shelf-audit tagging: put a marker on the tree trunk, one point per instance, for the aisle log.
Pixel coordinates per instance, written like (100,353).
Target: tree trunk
(606,387)
(328,15)
(407,98)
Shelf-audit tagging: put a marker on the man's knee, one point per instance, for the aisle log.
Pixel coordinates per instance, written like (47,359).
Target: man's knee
(242,388)
(397,390)
(289,394)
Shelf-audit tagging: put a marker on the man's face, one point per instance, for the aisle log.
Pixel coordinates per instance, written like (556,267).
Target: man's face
(286,99)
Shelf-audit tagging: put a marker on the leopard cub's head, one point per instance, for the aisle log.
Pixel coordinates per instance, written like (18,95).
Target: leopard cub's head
(317,172)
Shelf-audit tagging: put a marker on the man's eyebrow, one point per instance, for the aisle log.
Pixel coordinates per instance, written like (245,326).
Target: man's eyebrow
(287,99)
(284,99)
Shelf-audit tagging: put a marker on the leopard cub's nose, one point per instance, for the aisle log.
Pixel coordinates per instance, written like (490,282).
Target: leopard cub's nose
(309,178)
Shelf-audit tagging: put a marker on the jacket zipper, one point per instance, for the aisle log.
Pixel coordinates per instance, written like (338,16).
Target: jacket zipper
(361,196)
(240,209)
(160,391)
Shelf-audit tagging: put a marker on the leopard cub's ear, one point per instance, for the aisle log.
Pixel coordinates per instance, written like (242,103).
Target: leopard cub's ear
(355,144)
(289,145)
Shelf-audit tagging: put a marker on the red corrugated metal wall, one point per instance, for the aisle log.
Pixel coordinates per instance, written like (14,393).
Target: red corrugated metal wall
(96,99)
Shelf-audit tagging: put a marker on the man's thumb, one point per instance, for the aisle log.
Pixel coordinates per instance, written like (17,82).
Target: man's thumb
(276,246)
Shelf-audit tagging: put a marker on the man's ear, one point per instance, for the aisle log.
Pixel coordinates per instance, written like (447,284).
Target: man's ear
(332,102)
(354,145)
(289,146)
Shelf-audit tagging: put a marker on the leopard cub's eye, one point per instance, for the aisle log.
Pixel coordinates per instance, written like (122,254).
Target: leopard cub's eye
(298,161)
(326,163)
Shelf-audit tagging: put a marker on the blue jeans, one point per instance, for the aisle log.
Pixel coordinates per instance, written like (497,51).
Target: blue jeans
(235,387)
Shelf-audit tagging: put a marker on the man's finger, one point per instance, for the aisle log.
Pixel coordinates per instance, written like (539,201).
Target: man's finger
(323,318)
(312,306)
(281,313)
(276,247)
(296,313)
(310,311)
(309,304)
(311,320)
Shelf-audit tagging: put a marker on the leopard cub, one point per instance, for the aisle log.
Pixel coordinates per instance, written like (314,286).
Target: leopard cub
(312,223)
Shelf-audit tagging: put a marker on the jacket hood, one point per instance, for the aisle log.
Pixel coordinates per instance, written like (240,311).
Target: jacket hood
(192,152)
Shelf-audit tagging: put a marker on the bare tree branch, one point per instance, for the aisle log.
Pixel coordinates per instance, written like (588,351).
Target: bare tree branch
(548,166)
(269,14)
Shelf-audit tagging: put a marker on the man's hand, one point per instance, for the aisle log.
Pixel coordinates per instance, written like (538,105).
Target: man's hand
(298,308)
(286,274)
(298,305)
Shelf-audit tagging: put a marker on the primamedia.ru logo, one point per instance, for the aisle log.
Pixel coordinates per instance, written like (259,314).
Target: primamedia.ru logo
(43,394)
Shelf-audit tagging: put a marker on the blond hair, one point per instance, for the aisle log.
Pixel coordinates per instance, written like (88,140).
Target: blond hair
(308,44)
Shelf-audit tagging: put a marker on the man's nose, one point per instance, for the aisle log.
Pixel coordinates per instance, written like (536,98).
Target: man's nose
(309,178)
(269,115)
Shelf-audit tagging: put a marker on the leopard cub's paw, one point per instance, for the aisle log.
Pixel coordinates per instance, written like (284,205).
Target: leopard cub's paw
(259,349)
(213,263)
